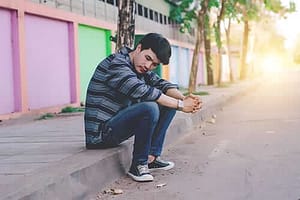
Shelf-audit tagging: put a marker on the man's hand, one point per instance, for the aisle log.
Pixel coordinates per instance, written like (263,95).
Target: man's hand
(193,103)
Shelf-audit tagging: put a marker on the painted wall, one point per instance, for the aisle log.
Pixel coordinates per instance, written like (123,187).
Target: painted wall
(201,74)
(184,67)
(160,6)
(174,65)
(94,45)
(6,64)
(225,69)
(165,72)
(47,61)
(47,56)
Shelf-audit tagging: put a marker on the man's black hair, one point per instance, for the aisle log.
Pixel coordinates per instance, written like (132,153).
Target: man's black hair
(159,45)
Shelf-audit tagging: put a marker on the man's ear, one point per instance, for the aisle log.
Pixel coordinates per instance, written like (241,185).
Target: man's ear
(138,48)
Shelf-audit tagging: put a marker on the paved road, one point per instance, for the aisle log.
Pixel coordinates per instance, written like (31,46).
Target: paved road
(251,152)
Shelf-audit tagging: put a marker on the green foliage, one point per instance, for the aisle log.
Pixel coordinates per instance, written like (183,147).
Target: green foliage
(217,36)
(70,109)
(199,93)
(273,5)
(207,25)
(241,10)
(224,85)
(251,11)
(183,15)
(213,3)
(46,116)
(292,7)
(230,9)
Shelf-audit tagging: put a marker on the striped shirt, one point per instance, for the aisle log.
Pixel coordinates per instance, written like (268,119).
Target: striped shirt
(114,86)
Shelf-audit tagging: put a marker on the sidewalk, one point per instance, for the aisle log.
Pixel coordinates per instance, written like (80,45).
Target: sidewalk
(47,159)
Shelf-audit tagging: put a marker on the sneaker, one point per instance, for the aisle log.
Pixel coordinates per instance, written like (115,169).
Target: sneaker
(140,173)
(160,164)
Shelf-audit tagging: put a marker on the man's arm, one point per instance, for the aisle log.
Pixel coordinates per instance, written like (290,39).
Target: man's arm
(175,93)
(167,101)
(189,105)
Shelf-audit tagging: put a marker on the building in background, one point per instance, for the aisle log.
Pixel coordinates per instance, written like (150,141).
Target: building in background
(50,48)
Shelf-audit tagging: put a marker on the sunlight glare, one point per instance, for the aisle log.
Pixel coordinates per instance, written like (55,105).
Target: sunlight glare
(272,64)
(288,26)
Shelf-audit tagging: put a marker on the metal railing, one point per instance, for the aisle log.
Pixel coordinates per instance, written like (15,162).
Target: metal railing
(107,10)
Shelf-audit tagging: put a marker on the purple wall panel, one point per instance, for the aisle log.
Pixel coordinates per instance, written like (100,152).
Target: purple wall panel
(48,64)
(6,64)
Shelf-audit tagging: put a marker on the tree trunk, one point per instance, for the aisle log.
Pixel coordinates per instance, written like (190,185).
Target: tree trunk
(219,53)
(126,24)
(219,64)
(195,61)
(207,46)
(243,72)
(219,41)
(227,31)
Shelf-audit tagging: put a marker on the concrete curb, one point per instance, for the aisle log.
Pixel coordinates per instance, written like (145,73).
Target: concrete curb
(88,171)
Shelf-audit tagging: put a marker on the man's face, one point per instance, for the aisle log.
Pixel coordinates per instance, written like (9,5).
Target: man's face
(145,60)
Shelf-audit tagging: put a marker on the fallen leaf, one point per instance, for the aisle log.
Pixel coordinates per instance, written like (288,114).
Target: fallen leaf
(161,185)
(107,191)
(212,121)
(117,191)
(113,191)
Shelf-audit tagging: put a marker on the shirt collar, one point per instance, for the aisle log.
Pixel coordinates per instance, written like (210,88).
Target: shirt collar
(125,51)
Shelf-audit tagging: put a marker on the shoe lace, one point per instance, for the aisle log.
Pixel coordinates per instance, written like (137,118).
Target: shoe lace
(143,169)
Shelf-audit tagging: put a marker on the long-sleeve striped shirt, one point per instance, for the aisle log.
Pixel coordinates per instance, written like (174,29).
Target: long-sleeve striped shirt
(115,85)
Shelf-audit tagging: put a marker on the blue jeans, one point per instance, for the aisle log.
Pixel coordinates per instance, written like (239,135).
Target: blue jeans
(147,121)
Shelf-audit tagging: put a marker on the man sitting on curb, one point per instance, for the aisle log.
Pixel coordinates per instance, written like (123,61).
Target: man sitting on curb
(125,98)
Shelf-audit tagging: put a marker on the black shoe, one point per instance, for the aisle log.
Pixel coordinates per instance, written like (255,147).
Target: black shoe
(160,164)
(140,173)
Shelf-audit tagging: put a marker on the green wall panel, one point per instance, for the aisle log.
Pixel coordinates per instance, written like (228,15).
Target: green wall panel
(94,45)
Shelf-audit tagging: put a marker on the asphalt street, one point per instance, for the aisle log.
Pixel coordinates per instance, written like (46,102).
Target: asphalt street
(251,152)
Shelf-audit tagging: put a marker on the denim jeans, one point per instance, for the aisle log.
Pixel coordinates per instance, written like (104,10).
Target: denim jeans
(147,121)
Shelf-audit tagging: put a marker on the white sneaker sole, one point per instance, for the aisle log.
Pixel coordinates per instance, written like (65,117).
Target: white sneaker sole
(144,178)
(170,166)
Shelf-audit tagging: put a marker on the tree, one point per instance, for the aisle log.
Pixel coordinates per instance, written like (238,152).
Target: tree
(207,44)
(187,12)
(250,10)
(195,60)
(230,14)
(202,35)
(217,28)
(126,24)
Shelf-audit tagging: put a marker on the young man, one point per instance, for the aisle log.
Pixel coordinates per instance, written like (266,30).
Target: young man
(125,98)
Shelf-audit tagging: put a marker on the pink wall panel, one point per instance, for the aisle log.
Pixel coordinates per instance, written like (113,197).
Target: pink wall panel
(48,63)
(6,64)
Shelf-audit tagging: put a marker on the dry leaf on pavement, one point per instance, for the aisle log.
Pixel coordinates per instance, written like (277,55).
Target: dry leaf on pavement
(212,121)
(113,191)
(161,185)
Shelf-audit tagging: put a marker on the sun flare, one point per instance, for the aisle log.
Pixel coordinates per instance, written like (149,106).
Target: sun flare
(271,64)
(288,26)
